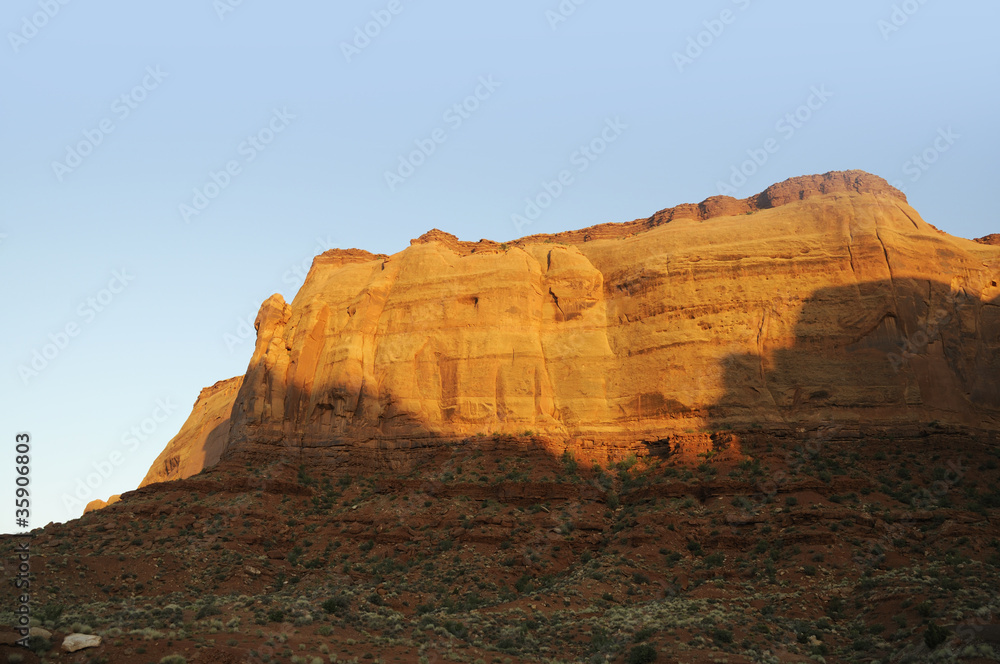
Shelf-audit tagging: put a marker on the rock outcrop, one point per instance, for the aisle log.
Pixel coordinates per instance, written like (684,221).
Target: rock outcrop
(99,504)
(823,299)
(202,438)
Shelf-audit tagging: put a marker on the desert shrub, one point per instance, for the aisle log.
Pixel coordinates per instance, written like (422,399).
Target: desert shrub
(641,654)
(50,612)
(173,659)
(207,610)
(456,628)
(715,560)
(39,644)
(935,635)
(524,584)
(335,605)
(569,462)
(644,633)
(722,635)
(742,503)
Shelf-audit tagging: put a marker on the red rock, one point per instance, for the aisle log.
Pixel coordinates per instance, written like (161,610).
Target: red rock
(621,334)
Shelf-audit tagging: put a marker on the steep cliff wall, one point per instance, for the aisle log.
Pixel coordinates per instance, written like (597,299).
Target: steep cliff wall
(826,298)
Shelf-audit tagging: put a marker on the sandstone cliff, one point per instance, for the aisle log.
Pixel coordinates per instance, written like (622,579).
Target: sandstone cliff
(824,299)
(202,438)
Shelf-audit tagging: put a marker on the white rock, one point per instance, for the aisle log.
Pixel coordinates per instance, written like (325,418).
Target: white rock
(75,642)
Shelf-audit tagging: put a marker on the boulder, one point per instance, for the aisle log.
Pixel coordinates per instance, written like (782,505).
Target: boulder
(75,642)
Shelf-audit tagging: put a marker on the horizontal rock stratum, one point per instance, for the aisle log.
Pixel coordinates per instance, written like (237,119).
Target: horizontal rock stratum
(824,301)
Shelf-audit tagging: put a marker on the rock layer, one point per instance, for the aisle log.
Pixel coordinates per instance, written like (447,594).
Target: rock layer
(825,299)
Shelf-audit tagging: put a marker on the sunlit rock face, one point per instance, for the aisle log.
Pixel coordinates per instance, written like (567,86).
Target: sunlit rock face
(824,299)
(202,438)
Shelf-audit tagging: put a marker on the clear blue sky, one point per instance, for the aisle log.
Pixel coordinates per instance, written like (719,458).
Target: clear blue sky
(199,81)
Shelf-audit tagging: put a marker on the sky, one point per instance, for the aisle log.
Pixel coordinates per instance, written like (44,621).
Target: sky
(166,167)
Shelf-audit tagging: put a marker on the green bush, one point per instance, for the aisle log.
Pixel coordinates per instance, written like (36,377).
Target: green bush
(641,654)
(569,462)
(50,612)
(935,635)
(173,659)
(715,560)
(456,628)
(207,610)
(644,633)
(722,635)
(39,644)
(336,605)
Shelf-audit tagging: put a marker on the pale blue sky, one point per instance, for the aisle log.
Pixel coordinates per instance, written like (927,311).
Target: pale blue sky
(552,87)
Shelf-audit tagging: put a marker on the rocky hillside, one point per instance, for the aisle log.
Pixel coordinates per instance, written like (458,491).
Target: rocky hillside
(847,545)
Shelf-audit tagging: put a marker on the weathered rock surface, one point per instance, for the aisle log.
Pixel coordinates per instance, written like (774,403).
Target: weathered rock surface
(202,438)
(75,642)
(823,299)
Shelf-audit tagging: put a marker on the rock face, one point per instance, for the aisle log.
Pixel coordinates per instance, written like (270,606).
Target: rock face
(202,438)
(823,299)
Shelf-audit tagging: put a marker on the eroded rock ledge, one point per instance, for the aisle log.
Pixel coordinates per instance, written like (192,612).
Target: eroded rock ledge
(791,190)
